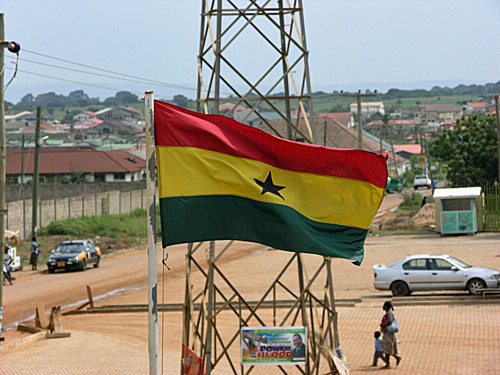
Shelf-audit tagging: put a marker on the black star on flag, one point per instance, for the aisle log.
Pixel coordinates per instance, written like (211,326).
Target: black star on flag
(268,186)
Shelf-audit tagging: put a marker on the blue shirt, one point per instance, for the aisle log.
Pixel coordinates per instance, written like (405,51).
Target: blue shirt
(378,344)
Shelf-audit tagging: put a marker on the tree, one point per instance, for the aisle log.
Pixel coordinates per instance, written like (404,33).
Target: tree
(470,150)
(50,99)
(181,101)
(121,98)
(27,101)
(125,97)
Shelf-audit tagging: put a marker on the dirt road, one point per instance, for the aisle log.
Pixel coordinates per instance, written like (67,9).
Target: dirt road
(116,273)
(435,339)
(119,274)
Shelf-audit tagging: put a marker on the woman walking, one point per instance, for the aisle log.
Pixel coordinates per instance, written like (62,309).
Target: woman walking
(34,253)
(389,343)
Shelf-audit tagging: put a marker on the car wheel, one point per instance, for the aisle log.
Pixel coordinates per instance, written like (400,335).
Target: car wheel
(96,264)
(399,288)
(476,286)
(50,269)
(84,265)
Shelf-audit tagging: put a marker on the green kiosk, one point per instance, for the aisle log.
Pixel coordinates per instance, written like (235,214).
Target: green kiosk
(459,210)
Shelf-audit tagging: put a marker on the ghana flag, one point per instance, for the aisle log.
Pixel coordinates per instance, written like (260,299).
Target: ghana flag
(221,180)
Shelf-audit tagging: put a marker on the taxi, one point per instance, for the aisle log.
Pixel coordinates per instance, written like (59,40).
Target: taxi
(74,255)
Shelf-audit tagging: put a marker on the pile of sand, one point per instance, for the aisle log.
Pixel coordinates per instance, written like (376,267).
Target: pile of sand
(425,217)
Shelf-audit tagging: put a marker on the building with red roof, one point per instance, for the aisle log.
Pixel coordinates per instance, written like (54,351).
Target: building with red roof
(59,164)
(472,107)
(408,150)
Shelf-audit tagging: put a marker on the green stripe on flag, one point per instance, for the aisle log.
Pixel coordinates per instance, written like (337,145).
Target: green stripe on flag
(225,217)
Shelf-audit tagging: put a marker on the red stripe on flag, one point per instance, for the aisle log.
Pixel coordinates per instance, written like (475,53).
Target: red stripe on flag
(176,126)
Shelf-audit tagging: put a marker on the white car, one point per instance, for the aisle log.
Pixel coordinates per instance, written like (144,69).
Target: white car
(422,181)
(433,272)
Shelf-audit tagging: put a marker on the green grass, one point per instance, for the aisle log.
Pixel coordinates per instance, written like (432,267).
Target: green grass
(112,226)
(411,202)
(395,232)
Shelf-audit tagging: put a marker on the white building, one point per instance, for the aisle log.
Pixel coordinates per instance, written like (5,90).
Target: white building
(85,115)
(368,108)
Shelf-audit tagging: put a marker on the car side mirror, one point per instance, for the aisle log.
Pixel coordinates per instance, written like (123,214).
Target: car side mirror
(453,268)
(52,251)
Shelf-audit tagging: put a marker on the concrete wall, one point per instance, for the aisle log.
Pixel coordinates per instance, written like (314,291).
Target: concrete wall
(49,210)
(55,191)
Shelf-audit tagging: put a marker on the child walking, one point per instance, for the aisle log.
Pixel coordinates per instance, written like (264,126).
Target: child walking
(379,353)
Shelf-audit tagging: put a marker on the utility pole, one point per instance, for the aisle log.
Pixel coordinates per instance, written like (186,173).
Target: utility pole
(151,229)
(431,175)
(22,169)
(38,142)
(498,134)
(394,158)
(359,96)
(22,188)
(14,48)
(3,210)
(324,134)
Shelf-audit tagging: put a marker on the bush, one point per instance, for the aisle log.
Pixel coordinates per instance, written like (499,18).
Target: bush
(113,226)
(411,201)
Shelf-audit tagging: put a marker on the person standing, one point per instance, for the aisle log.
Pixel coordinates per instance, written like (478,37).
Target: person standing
(7,261)
(389,342)
(35,251)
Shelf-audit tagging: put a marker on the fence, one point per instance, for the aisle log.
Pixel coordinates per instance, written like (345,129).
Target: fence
(49,210)
(491,199)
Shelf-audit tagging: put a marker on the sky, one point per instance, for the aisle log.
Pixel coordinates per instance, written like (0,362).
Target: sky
(353,44)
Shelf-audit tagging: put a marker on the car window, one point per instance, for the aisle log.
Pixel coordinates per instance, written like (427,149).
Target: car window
(416,265)
(441,265)
(459,262)
(69,248)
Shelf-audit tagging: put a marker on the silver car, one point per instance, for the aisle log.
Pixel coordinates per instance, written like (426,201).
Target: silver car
(433,272)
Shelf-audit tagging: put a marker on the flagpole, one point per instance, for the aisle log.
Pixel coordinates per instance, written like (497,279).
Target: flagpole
(151,207)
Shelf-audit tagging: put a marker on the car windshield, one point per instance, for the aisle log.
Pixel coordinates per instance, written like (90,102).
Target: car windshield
(459,262)
(70,248)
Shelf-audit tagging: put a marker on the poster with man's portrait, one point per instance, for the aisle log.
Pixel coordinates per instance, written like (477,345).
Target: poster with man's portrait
(273,345)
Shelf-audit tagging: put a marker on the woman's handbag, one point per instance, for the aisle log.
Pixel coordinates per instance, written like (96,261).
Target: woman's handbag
(393,327)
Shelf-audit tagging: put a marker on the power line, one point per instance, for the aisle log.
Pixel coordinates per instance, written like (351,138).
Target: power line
(86,72)
(81,83)
(172,85)
(15,72)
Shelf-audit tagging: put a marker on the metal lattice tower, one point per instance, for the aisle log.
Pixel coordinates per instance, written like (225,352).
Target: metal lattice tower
(275,88)
(278,85)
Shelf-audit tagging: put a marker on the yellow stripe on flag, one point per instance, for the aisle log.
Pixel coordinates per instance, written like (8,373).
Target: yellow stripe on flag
(190,172)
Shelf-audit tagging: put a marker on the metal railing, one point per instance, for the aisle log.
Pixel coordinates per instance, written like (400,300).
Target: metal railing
(491,201)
